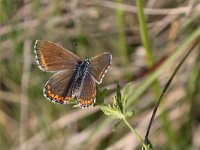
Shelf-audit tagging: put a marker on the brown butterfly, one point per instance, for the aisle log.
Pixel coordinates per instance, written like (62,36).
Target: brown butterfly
(74,78)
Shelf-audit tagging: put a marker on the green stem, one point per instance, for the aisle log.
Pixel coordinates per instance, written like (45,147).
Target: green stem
(149,61)
(122,49)
(144,33)
(146,44)
(191,48)
(135,133)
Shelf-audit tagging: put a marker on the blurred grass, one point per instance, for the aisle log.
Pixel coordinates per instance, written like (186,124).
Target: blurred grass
(150,61)
(144,33)
(122,49)
(97,26)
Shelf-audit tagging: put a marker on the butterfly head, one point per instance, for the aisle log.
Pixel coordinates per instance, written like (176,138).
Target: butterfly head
(87,59)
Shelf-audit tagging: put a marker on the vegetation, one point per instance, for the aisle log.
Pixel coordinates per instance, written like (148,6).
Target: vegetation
(155,68)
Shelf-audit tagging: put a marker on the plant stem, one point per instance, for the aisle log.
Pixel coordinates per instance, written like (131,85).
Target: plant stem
(122,49)
(146,44)
(135,133)
(144,33)
(149,62)
(191,48)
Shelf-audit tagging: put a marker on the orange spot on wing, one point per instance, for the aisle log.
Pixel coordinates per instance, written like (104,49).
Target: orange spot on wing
(56,97)
(43,63)
(48,86)
(49,92)
(86,102)
(68,98)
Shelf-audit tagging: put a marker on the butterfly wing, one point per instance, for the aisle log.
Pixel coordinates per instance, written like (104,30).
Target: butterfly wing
(59,87)
(52,57)
(99,66)
(88,93)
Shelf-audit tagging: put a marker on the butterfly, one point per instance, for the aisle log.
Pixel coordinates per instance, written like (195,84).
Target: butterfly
(74,78)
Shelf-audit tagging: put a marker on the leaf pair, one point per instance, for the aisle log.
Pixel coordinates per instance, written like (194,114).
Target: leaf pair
(118,109)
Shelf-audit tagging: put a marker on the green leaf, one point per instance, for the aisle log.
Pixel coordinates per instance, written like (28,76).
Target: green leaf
(100,96)
(148,143)
(126,89)
(114,113)
(118,99)
(130,113)
(125,93)
(114,105)
(116,125)
(76,106)
(72,102)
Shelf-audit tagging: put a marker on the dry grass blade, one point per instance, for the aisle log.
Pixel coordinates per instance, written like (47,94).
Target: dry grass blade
(59,124)
(147,11)
(24,97)
(24,88)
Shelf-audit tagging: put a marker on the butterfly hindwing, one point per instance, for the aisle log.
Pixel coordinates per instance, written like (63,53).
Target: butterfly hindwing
(52,57)
(99,66)
(88,93)
(59,87)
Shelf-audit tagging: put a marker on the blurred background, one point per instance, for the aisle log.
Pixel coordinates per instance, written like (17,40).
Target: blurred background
(87,28)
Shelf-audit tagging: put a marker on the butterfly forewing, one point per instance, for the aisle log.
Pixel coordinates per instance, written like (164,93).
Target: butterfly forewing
(88,93)
(99,66)
(58,87)
(52,57)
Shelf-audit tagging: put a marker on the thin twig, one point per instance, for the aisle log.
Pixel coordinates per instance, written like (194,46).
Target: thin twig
(191,47)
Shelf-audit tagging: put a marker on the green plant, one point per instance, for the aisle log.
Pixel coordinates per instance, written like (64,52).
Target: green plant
(118,110)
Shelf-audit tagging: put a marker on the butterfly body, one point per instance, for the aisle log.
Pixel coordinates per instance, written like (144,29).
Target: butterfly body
(79,77)
(82,69)
(74,79)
